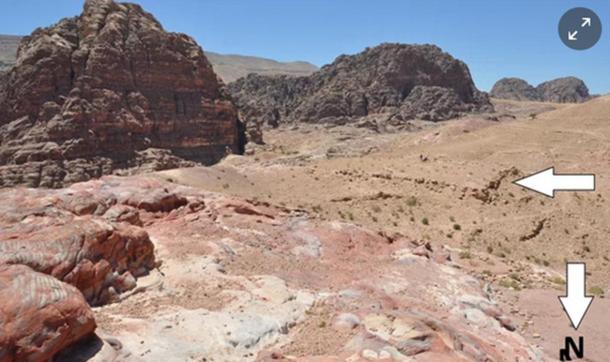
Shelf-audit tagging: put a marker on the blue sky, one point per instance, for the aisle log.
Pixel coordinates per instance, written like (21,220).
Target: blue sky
(496,38)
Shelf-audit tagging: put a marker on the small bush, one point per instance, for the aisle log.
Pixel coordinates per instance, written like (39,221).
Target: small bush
(425,221)
(596,291)
(412,201)
(510,283)
(465,255)
(457,227)
(558,280)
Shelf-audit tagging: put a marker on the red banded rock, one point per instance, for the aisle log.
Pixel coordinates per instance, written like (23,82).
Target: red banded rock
(110,91)
(39,315)
(262,279)
(79,238)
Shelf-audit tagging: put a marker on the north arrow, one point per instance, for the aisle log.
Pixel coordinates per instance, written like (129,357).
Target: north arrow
(572,35)
(586,22)
(576,303)
(547,182)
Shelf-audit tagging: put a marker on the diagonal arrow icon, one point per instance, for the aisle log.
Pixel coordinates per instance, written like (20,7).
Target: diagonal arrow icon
(586,22)
(576,303)
(572,35)
(547,182)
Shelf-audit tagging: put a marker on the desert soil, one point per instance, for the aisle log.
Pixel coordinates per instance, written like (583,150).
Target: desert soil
(451,184)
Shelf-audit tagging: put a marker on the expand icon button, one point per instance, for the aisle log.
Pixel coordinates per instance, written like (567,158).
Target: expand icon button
(580,28)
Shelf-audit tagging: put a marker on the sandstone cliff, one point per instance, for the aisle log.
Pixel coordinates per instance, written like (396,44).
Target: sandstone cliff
(108,90)
(402,81)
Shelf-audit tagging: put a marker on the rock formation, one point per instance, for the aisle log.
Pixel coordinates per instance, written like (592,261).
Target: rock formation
(516,89)
(561,90)
(229,67)
(39,315)
(262,280)
(404,81)
(109,90)
(564,90)
(90,238)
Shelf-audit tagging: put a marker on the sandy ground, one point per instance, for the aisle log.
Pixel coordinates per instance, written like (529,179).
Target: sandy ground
(451,185)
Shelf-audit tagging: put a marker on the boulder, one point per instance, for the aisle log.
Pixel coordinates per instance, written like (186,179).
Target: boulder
(90,239)
(40,315)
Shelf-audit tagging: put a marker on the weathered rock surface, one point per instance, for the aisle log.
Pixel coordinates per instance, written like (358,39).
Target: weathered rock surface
(561,90)
(93,93)
(88,237)
(383,79)
(564,90)
(516,89)
(39,315)
(266,282)
(229,67)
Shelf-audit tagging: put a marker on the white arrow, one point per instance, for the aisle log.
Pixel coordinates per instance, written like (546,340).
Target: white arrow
(547,182)
(576,303)
(586,22)
(572,35)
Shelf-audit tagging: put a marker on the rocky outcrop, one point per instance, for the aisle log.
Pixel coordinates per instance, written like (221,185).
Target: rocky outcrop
(39,315)
(93,93)
(407,81)
(562,90)
(90,238)
(264,280)
(229,67)
(516,89)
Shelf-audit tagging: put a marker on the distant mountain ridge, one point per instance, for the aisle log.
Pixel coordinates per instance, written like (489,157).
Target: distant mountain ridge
(229,67)
(8,50)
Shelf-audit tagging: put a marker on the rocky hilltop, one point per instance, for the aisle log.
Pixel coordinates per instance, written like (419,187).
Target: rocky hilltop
(561,90)
(398,81)
(110,90)
(229,67)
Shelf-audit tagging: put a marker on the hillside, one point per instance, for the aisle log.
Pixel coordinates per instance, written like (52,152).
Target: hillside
(232,67)
(451,185)
(144,218)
